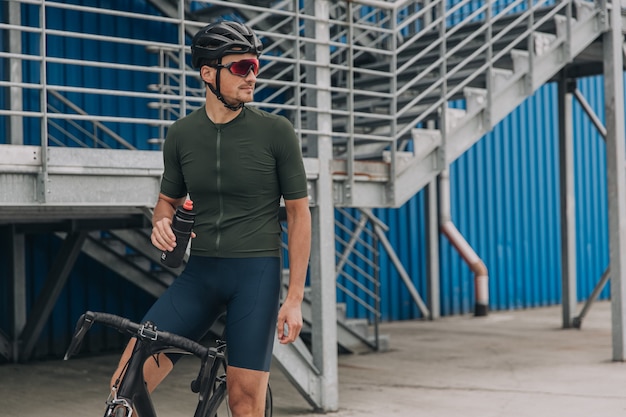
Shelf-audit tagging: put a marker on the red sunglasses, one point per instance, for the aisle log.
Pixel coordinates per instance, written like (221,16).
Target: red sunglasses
(242,68)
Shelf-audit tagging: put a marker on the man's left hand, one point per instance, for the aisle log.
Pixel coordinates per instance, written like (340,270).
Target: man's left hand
(289,322)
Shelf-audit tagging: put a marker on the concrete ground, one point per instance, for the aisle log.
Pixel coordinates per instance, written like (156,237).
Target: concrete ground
(513,364)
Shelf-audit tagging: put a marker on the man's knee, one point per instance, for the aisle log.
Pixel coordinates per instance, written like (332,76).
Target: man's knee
(246,392)
(247,406)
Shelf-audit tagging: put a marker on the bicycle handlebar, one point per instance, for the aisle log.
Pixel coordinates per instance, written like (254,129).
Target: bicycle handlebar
(141,331)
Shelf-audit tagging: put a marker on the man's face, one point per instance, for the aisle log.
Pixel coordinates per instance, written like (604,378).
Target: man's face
(237,88)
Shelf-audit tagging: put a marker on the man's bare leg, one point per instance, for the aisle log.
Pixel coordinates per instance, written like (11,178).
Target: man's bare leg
(154,371)
(246,391)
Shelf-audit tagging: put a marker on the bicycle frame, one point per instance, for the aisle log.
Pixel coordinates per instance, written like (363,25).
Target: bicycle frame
(131,391)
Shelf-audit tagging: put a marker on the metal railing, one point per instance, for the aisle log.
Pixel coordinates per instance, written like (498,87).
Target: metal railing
(357,266)
(394,64)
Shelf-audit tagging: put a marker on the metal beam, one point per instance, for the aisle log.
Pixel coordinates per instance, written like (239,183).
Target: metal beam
(578,320)
(5,346)
(57,277)
(432,221)
(395,260)
(322,269)
(18,289)
(566,87)
(616,175)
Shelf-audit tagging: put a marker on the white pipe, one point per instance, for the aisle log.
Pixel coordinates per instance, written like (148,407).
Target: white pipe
(476,265)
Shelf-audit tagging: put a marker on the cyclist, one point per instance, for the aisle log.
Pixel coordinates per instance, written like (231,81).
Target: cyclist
(235,162)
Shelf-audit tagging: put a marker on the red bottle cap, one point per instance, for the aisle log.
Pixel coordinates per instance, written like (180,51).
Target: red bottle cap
(188,205)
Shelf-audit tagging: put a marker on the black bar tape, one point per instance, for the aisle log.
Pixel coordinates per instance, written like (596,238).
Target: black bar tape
(125,325)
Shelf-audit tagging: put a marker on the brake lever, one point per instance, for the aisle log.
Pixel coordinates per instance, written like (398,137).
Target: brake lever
(83,324)
(196,384)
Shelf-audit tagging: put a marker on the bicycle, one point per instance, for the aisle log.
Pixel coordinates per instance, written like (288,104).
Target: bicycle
(129,395)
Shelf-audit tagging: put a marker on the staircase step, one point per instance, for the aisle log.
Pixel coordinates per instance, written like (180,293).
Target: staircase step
(383,342)
(475,99)
(425,141)
(584,9)
(543,42)
(501,78)
(353,342)
(453,116)
(342,308)
(140,261)
(112,243)
(561,25)
(520,60)
(358,326)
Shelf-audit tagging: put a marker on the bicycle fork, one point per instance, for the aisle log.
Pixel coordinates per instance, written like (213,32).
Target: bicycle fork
(117,407)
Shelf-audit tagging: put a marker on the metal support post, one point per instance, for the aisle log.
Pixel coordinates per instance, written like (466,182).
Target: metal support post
(379,230)
(18,289)
(593,117)
(616,175)
(323,286)
(406,278)
(432,220)
(578,320)
(566,89)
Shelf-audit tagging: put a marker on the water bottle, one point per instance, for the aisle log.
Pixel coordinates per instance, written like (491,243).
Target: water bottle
(182,223)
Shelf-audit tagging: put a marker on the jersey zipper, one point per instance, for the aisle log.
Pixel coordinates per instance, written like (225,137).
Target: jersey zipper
(218,163)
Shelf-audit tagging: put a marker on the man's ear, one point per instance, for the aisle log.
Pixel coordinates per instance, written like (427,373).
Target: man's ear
(207,74)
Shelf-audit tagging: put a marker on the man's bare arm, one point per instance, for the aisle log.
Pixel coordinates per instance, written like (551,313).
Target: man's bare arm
(299,249)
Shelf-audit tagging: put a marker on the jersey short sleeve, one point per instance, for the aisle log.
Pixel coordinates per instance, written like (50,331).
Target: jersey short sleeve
(173,181)
(291,173)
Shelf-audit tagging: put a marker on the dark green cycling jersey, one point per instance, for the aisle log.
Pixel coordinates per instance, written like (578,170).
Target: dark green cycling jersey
(235,173)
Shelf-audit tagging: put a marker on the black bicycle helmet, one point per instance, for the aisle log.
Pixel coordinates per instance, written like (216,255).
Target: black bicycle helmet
(215,40)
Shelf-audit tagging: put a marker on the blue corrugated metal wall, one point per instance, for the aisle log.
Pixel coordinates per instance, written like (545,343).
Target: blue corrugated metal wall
(505,201)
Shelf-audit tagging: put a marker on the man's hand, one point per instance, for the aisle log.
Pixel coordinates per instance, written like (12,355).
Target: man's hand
(163,238)
(289,322)
(162,235)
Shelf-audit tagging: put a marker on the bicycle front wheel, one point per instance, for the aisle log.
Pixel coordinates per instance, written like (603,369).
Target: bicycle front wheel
(117,411)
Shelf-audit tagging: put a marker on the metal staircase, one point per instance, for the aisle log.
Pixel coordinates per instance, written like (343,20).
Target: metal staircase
(455,83)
